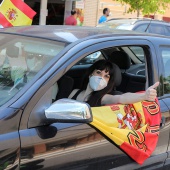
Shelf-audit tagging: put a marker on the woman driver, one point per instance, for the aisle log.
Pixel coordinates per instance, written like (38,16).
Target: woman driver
(99,82)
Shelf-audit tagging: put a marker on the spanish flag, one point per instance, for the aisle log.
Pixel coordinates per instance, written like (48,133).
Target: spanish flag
(15,13)
(133,127)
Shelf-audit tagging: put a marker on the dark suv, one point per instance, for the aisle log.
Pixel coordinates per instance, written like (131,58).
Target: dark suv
(40,129)
(141,25)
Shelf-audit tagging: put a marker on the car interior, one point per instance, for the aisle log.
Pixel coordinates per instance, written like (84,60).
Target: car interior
(130,72)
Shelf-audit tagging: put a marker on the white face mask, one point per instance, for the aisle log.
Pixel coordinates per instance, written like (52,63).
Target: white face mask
(97,83)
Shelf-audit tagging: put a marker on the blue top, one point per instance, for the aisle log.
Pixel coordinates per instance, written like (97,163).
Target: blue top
(102,19)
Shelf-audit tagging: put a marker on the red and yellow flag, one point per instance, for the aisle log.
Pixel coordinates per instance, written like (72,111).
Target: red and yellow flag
(133,127)
(15,13)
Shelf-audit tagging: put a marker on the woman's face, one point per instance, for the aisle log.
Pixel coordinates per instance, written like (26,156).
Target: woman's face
(102,73)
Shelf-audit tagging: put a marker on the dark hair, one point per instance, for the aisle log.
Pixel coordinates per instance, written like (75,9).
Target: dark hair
(105,10)
(73,12)
(96,96)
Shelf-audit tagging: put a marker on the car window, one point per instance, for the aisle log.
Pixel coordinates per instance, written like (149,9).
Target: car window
(90,59)
(21,59)
(156,29)
(167,30)
(138,51)
(125,27)
(118,24)
(165,54)
(142,28)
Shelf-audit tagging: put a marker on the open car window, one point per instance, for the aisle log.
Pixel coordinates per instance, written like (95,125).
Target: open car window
(135,78)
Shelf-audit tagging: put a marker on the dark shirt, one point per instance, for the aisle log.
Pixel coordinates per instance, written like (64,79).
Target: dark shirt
(79,91)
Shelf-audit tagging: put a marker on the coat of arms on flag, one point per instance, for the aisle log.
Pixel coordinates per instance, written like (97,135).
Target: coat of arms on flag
(133,127)
(15,13)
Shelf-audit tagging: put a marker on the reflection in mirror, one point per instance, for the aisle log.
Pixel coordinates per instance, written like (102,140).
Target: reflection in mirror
(68,110)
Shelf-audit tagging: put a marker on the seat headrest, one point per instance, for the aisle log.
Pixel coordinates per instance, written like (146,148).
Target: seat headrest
(121,59)
(12,51)
(118,76)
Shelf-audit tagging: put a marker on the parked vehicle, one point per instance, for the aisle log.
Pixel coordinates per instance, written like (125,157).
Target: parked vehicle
(141,25)
(40,65)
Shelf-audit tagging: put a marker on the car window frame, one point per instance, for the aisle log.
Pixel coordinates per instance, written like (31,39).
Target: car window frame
(72,61)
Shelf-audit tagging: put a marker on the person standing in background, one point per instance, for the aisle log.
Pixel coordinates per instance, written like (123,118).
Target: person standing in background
(106,13)
(71,20)
(80,17)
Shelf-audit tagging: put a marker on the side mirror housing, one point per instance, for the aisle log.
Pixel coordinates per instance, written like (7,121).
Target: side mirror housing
(69,111)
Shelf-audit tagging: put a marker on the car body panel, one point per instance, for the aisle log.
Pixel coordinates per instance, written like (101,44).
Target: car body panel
(9,137)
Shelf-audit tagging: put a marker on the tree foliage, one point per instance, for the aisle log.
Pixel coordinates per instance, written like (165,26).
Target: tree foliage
(146,6)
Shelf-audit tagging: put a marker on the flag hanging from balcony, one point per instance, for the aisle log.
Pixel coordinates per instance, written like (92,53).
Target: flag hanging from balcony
(15,13)
(133,127)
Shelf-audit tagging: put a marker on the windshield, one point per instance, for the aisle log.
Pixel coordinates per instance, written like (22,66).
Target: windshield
(138,51)
(126,24)
(125,27)
(21,58)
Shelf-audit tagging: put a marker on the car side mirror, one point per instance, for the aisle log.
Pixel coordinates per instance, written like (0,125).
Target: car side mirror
(69,111)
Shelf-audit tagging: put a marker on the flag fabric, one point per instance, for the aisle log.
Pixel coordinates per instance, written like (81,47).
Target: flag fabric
(15,13)
(133,127)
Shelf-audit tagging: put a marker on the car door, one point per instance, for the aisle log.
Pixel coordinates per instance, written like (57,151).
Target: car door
(46,145)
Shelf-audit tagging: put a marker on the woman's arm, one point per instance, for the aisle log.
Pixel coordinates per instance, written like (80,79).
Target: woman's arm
(128,98)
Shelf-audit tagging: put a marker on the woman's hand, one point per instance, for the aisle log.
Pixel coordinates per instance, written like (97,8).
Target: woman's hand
(151,92)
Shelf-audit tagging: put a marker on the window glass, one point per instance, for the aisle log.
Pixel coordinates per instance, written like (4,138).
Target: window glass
(167,30)
(142,28)
(165,53)
(125,27)
(21,58)
(90,59)
(156,29)
(138,51)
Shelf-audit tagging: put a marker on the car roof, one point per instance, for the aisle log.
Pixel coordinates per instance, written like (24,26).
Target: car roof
(132,21)
(67,34)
